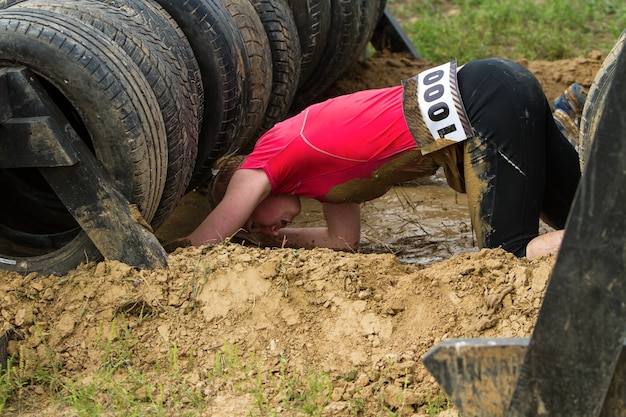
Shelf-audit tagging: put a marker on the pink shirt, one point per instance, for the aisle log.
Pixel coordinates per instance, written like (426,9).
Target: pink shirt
(335,142)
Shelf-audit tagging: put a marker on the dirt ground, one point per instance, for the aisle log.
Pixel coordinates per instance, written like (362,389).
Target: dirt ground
(364,319)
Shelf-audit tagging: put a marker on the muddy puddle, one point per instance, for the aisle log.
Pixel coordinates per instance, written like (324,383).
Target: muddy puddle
(420,222)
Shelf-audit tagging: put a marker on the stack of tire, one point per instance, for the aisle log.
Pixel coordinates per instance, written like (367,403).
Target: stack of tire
(159,90)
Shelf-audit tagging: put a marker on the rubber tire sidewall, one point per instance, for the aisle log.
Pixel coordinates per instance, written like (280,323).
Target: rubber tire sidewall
(120,118)
(594,104)
(218,47)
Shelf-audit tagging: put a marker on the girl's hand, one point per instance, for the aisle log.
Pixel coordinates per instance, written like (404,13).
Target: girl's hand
(343,230)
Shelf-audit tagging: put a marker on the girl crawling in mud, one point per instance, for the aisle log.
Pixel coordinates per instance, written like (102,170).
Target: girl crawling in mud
(498,144)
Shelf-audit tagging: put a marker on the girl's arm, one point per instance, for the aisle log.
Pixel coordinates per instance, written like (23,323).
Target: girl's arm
(247,188)
(343,230)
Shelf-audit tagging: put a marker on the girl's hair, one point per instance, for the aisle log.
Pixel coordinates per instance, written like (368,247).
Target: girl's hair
(223,171)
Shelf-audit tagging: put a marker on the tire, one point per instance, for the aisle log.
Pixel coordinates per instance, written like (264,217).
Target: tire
(312,19)
(150,14)
(282,33)
(4,4)
(594,104)
(257,84)
(344,36)
(370,12)
(218,47)
(188,80)
(111,106)
(260,75)
(159,21)
(352,25)
(166,77)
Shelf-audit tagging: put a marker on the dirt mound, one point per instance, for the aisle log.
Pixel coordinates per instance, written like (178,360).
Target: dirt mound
(368,316)
(385,69)
(241,325)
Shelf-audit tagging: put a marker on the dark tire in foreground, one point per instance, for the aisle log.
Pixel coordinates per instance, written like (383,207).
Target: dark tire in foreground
(112,108)
(594,105)
(167,78)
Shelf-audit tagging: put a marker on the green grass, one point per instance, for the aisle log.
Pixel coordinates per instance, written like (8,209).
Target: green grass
(514,29)
(118,388)
(436,404)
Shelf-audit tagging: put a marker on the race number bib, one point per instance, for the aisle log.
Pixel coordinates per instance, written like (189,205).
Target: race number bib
(434,110)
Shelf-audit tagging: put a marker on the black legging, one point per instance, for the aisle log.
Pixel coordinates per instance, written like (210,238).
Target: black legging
(518,166)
